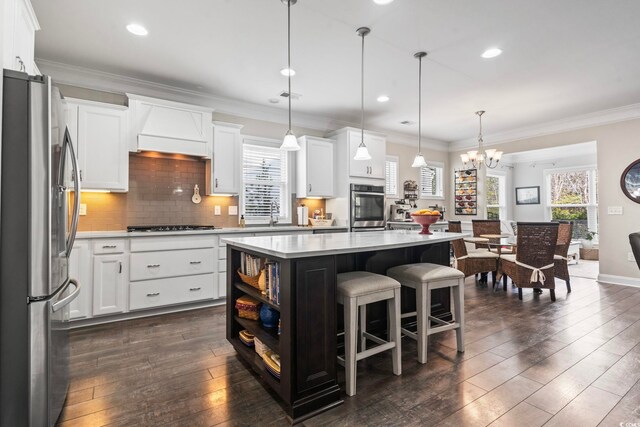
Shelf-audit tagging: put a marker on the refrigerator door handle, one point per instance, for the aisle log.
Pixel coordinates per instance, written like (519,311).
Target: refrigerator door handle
(76,198)
(69,298)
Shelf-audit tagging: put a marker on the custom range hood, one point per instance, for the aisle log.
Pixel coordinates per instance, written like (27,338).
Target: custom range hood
(170,127)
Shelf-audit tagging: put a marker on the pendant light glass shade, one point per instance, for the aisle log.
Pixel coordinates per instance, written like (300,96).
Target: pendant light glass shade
(290,142)
(418,161)
(362,153)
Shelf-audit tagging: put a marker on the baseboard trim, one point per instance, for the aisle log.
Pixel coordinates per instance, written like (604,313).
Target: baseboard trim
(100,320)
(619,280)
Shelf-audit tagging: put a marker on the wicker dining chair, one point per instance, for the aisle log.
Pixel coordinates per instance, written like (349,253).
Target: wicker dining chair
(472,262)
(533,264)
(561,257)
(484,226)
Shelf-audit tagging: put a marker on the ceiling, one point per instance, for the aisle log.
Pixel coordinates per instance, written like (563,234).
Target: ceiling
(561,58)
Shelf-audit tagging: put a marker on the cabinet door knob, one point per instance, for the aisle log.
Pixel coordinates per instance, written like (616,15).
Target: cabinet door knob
(195,262)
(120,268)
(81,178)
(153,265)
(153,294)
(216,182)
(194,289)
(109,246)
(310,188)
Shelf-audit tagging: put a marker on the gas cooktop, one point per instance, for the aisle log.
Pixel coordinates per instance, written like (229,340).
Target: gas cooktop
(153,228)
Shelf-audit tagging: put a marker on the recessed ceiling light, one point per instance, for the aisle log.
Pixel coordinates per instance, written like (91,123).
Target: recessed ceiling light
(383,98)
(382,1)
(137,29)
(491,53)
(288,72)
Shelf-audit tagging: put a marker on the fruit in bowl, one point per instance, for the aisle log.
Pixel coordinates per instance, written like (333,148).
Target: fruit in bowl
(425,218)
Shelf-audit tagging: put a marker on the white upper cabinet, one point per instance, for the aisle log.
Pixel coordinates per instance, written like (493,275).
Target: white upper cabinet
(100,132)
(224,174)
(18,27)
(373,168)
(314,167)
(169,127)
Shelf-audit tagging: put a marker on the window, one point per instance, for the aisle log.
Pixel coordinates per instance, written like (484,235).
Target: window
(264,181)
(572,195)
(496,196)
(431,181)
(391,176)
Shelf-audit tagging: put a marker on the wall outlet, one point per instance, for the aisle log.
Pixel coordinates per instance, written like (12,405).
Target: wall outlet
(630,257)
(216,210)
(233,210)
(83,209)
(614,210)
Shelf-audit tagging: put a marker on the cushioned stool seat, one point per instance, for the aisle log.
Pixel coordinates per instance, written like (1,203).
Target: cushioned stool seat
(425,277)
(358,283)
(355,290)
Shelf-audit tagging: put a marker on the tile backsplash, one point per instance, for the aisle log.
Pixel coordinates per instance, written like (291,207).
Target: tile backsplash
(160,191)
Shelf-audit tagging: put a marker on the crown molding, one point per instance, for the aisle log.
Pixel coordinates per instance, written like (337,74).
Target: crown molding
(115,83)
(598,118)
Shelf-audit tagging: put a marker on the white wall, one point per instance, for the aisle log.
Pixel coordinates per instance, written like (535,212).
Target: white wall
(524,175)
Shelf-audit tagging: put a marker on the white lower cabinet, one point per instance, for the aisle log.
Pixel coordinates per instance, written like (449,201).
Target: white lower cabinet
(109,284)
(173,290)
(80,269)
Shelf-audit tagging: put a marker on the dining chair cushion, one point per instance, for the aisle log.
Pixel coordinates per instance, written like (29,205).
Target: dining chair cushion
(476,239)
(482,253)
(424,272)
(357,283)
(508,257)
(558,257)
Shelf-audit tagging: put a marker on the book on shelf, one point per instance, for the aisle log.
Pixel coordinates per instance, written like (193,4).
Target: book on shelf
(252,266)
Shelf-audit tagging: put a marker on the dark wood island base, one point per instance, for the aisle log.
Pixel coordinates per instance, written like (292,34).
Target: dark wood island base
(307,341)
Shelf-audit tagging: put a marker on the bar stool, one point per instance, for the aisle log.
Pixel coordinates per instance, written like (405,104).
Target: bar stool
(356,289)
(424,278)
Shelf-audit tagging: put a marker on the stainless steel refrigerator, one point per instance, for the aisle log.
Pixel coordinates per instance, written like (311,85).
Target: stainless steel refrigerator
(36,238)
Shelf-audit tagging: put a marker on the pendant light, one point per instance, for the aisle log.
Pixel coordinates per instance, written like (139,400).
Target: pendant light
(290,142)
(362,153)
(475,158)
(419,161)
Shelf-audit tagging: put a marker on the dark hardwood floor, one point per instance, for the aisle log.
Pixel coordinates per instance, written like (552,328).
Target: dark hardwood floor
(530,363)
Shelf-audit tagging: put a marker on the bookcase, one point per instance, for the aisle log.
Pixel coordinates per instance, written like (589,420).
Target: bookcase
(306,303)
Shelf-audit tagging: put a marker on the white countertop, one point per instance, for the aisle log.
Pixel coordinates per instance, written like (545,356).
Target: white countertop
(230,230)
(340,243)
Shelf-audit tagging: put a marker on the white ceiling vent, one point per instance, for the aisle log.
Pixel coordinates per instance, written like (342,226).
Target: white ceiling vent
(285,94)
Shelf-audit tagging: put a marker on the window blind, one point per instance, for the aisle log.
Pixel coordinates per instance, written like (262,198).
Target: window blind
(429,185)
(264,172)
(391,177)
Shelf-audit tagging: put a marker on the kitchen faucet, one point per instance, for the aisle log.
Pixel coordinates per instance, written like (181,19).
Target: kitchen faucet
(273,207)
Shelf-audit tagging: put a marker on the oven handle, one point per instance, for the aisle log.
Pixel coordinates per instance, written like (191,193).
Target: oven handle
(363,193)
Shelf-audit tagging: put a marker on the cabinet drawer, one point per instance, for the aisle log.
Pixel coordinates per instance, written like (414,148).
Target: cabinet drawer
(108,247)
(177,290)
(155,265)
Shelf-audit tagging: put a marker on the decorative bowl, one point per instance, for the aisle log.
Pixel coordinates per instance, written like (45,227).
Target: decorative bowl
(425,221)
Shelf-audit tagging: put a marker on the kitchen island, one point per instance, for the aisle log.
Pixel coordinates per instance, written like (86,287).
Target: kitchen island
(303,275)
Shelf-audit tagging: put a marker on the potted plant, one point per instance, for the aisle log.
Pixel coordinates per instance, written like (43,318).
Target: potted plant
(587,242)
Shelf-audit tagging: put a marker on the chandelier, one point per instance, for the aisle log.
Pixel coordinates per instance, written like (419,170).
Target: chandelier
(475,158)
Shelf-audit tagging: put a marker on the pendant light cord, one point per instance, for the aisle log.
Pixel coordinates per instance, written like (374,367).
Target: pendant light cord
(362,92)
(289,55)
(420,105)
